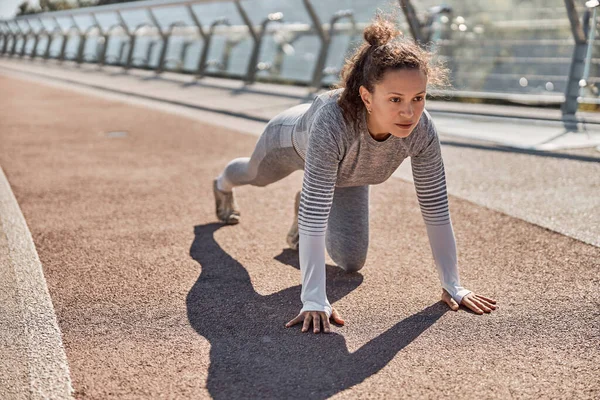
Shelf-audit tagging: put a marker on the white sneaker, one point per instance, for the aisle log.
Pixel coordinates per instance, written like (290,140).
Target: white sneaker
(226,207)
(293,237)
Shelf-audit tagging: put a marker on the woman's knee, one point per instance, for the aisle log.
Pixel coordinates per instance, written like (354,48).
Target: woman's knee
(348,254)
(349,262)
(353,266)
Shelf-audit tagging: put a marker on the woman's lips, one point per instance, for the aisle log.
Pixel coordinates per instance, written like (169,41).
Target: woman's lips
(404,125)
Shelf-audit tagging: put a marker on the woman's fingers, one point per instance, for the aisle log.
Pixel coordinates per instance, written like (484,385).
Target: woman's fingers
(467,302)
(487,304)
(446,298)
(326,326)
(295,321)
(335,315)
(452,304)
(480,304)
(486,299)
(316,318)
(316,322)
(306,325)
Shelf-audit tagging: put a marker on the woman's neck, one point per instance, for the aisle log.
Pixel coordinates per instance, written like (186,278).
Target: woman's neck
(374,131)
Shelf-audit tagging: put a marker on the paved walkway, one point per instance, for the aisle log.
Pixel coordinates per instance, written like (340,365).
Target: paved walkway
(481,165)
(154,298)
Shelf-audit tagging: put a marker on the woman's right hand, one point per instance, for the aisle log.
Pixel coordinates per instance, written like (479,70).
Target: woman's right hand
(316,318)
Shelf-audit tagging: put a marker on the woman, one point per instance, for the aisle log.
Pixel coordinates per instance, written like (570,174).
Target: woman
(346,140)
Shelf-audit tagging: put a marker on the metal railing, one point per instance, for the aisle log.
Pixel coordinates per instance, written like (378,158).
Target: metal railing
(14,34)
(477,66)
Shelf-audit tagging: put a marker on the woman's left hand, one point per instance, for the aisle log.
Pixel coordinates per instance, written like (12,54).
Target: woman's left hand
(475,302)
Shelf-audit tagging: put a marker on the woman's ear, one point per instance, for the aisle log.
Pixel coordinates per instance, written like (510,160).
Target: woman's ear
(365,95)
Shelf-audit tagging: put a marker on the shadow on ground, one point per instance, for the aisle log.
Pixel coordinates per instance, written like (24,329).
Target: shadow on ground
(254,356)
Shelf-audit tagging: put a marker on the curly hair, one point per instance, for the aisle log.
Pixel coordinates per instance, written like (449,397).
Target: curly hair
(381,53)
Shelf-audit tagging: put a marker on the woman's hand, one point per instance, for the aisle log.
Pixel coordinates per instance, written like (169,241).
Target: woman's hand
(475,302)
(316,317)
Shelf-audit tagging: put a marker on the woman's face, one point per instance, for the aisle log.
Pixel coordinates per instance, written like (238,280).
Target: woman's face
(396,103)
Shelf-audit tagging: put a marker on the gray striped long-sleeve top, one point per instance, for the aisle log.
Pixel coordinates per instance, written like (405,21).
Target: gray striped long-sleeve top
(337,154)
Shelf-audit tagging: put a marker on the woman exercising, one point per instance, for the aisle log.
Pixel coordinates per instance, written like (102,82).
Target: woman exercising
(345,140)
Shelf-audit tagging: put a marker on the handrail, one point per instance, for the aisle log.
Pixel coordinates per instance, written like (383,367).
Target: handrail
(16,35)
(138,5)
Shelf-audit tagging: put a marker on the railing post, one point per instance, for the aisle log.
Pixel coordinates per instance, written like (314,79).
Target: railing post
(421,32)
(131,41)
(336,17)
(25,39)
(324,37)
(206,38)
(121,52)
(168,34)
(207,42)
(7,34)
(149,52)
(432,15)
(569,107)
(107,36)
(66,37)
(82,40)
(132,46)
(14,44)
(182,54)
(200,68)
(280,55)
(101,54)
(257,38)
(7,37)
(229,45)
(37,39)
(3,35)
(51,38)
(277,17)
(165,38)
(251,70)
(591,36)
(413,21)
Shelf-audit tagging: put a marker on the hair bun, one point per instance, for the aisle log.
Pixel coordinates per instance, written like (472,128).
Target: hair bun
(380,32)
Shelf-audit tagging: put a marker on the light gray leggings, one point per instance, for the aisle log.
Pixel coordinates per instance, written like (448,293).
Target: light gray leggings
(274,158)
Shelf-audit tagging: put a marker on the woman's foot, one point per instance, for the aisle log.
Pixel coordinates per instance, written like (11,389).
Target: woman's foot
(226,207)
(293,237)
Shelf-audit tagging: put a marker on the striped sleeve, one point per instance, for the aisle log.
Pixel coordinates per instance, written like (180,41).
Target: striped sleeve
(430,185)
(320,174)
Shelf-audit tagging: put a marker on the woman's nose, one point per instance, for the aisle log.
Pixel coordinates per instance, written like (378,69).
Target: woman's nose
(406,111)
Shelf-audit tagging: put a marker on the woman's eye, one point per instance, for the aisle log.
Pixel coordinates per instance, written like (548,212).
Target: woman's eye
(395,99)
(419,98)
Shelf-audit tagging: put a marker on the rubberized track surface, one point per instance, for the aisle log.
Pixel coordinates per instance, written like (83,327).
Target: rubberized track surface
(156,299)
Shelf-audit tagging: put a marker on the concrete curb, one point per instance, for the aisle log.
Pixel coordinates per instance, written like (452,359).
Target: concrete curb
(47,369)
